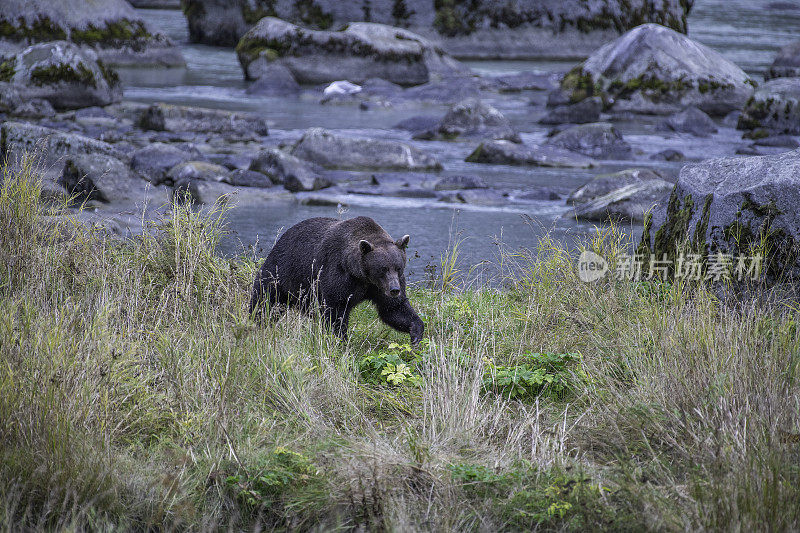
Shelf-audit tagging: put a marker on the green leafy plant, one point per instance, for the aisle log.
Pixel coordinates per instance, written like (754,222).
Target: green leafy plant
(540,373)
(395,365)
(565,502)
(279,472)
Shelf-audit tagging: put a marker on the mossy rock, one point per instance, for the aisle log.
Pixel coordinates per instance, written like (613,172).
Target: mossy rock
(737,207)
(632,74)
(63,74)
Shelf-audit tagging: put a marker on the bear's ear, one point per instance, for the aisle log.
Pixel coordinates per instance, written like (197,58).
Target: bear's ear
(402,242)
(364,246)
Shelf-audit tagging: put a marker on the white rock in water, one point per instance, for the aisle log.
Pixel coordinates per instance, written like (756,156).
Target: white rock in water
(342,87)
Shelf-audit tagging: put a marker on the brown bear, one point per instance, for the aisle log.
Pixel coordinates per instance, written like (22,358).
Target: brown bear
(340,263)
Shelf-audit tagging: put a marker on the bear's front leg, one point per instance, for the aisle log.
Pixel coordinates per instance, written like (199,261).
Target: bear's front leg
(398,313)
(338,319)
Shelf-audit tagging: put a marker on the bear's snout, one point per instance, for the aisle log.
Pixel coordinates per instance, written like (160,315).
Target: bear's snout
(395,291)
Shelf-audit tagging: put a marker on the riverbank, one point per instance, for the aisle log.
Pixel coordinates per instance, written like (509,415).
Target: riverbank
(136,393)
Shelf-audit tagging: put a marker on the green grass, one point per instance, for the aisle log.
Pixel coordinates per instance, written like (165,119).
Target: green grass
(136,393)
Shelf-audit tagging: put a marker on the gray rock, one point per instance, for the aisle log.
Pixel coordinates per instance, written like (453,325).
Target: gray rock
(653,69)
(153,119)
(668,155)
(154,161)
(111,28)
(107,179)
(774,107)
(585,111)
(331,150)
(629,202)
(483,197)
(447,91)
(10,98)
(272,79)
(508,153)
(786,64)
(195,120)
(287,170)
(63,74)
(360,51)
(50,147)
(739,205)
(197,171)
(539,194)
(456,183)
(473,118)
(210,193)
(691,121)
(778,141)
(561,97)
(249,178)
(604,184)
(35,108)
(522,81)
(600,140)
(419,123)
(237,161)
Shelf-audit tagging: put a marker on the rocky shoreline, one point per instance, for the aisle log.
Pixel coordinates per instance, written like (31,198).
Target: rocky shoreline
(63,102)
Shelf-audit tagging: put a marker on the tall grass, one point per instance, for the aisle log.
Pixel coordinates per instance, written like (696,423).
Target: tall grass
(135,393)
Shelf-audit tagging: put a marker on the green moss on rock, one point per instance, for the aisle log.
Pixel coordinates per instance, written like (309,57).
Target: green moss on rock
(114,34)
(475,156)
(54,74)
(41,29)
(579,84)
(7,71)
(110,75)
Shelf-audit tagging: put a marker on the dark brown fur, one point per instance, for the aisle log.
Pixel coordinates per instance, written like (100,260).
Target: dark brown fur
(343,263)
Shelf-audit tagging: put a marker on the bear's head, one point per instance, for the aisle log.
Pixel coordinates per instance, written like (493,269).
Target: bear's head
(384,265)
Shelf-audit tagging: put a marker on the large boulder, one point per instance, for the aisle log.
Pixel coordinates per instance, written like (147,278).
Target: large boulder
(107,179)
(472,118)
(154,161)
(50,147)
(787,62)
(197,171)
(653,69)
(359,52)
(691,121)
(285,169)
(111,28)
(600,140)
(737,206)
(509,153)
(774,107)
(629,203)
(63,74)
(586,111)
(331,150)
(523,29)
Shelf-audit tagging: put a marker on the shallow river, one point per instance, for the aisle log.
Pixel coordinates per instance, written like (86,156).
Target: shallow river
(746,31)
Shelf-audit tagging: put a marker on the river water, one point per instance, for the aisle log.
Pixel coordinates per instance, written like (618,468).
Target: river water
(748,32)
